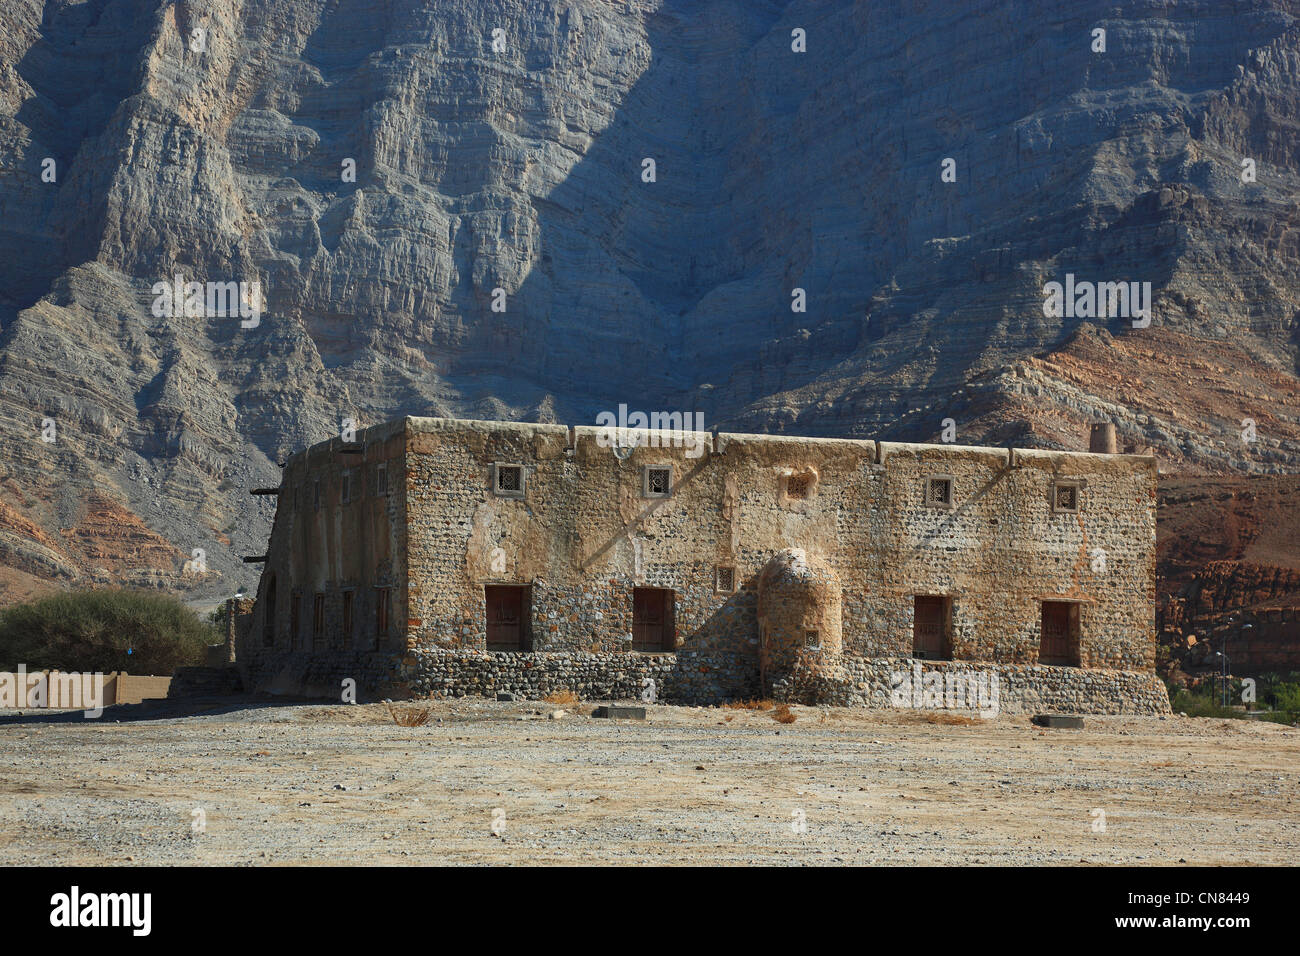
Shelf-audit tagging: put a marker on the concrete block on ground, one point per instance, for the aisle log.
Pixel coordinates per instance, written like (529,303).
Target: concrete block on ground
(619,712)
(1059,721)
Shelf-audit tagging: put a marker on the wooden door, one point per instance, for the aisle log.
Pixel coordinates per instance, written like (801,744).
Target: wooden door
(1058,641)
(651,619)
(930,628)
(506,617)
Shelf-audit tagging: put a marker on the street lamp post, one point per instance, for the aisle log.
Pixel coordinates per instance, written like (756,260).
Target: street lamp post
(1223,677)
(1225,671)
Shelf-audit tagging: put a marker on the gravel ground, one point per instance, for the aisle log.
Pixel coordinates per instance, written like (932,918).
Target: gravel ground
(291,784)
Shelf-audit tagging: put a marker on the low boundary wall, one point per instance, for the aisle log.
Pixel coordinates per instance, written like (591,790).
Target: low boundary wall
(71,690)
(702,678)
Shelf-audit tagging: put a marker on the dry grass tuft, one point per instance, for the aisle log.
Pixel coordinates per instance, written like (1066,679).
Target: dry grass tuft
(748,705)
(782,715)
(562,698)
(409,718)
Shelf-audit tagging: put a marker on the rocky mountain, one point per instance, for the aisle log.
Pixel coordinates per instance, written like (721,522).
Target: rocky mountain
(1228,574)
(448,207)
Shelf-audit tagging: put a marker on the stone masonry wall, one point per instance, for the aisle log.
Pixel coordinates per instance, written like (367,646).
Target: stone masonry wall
(1001,550)
(859,682)
(697,679)
(686,678)
(321,674)
(340,529)
(583,536)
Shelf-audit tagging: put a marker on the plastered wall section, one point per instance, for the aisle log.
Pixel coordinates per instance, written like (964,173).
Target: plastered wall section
(324,545)
(1001,550)
(583,536)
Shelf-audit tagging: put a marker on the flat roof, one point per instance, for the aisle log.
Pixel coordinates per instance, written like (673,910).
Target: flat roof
(418,423)
(422,423)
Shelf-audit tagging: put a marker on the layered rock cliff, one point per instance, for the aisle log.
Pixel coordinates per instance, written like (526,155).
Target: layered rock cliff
(502,146)
(1228,574)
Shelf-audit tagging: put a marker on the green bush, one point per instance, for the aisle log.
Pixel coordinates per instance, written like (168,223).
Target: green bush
(1279,717)
(1285,697)
(111,630)
(1201,705)
(1204,701)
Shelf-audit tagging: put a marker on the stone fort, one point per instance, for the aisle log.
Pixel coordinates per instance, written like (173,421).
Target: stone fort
(437,557)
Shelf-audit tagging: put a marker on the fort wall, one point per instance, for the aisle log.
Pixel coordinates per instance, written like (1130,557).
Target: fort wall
(606,569)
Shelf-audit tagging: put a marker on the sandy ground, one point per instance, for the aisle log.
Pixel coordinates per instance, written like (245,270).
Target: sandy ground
(283,784)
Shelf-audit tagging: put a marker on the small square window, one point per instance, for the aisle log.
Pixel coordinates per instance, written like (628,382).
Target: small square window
(812,641)
(658,481)
(724,580)
(381,480)
(508,481)
(1065,496)
(797,486)
(938,491)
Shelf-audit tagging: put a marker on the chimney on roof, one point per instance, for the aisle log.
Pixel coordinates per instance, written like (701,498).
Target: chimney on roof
(1101,439)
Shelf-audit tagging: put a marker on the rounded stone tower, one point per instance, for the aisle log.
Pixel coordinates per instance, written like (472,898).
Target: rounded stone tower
(798,614)
(1101,438)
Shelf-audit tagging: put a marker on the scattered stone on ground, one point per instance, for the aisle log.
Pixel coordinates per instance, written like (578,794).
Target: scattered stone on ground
(344,784)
